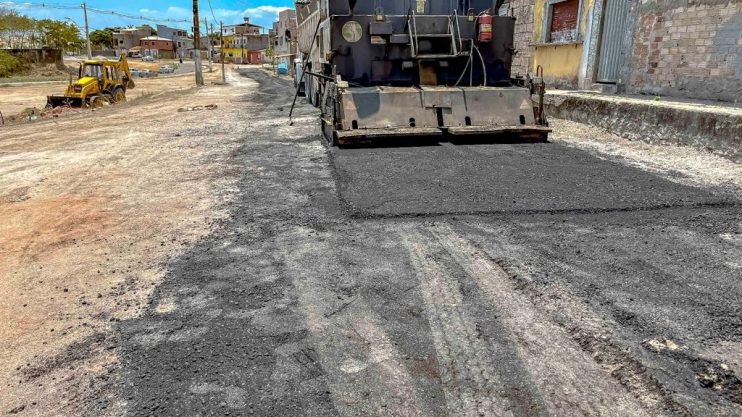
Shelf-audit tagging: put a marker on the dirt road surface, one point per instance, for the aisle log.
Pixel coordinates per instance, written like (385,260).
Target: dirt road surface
(15,98)
(225,263)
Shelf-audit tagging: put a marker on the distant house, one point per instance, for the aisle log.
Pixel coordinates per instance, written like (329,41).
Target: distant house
(157,47)
(243,43)
(285,38)
(127,38)
(182,44)
(245,28)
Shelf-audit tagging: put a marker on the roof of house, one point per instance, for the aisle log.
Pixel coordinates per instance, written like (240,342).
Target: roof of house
(243,24)
(156,38)
(133,29)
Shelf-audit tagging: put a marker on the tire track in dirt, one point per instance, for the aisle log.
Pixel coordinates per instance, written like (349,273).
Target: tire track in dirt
(471,383)
(572,370)
(668,380)
(366,373)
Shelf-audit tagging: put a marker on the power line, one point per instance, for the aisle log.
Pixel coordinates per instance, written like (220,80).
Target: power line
(212,12)
(133,17)
(28,5)
(63,6)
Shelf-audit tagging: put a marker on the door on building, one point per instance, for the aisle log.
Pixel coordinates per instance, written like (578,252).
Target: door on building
(612,53)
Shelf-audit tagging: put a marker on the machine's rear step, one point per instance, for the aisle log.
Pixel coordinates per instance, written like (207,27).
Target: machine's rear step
(495,130)
(345,137)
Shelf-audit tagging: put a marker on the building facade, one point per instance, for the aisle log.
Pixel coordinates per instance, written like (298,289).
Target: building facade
(693,49)
(157,47)
(675,48)
(127,38)
(285,35)
(242,42)
(182,44)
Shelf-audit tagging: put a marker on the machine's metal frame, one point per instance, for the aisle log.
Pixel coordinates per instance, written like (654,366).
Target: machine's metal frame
(415,74)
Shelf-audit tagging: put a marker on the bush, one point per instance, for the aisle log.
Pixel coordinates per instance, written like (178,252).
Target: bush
(8,64)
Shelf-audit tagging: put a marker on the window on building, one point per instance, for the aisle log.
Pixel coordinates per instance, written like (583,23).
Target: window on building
(562,22)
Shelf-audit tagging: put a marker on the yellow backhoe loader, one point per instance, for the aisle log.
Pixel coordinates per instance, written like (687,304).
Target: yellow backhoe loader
(99,80)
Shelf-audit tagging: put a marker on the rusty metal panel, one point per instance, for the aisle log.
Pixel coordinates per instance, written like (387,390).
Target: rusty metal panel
(384,108)
(562,21)
(564,16)
(439,97)
(494,106)
(401,107)
(611,44)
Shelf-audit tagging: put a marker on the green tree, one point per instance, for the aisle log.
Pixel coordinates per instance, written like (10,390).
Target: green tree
(8,64)
(16,30)
(102,38)
(269,52)
(58,34)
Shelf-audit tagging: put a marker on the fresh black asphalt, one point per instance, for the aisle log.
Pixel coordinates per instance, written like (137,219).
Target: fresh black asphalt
(313,247)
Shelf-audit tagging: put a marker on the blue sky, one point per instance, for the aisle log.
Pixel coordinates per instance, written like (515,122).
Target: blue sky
(261,12)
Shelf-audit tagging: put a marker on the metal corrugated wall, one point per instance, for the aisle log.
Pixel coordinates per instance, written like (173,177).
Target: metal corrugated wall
(611,45)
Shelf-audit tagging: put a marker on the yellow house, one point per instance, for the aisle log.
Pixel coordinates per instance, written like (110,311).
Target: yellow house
(559,34)
(580,43)
(660,47)
(243,41)
(229,49)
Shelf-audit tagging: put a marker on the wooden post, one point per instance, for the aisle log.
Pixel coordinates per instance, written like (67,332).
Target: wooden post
(208,35)
(197,45)
(221,41)
(87,30)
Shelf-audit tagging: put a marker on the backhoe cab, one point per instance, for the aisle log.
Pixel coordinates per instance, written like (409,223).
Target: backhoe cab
(98,81)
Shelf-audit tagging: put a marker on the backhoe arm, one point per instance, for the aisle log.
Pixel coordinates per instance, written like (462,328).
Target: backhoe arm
(124,64)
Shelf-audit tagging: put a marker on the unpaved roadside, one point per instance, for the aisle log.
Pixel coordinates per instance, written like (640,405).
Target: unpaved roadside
(92,207)
(14,99)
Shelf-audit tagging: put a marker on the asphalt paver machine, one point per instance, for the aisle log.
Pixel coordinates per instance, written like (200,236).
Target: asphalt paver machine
(407,68)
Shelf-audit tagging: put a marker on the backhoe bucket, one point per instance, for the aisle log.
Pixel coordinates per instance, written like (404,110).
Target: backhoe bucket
(63,101)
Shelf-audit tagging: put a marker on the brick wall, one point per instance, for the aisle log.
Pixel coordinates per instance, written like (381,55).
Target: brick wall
(687,50)
(523,12)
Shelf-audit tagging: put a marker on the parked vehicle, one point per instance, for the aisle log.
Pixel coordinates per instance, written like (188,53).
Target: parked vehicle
(148,58)
(134,72)
(166,69)
(282,69)
(147,73)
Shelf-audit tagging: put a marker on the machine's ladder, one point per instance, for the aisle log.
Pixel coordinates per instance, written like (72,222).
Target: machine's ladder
(453,35)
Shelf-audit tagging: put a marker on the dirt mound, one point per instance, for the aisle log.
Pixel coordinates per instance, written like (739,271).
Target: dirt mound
(34,113)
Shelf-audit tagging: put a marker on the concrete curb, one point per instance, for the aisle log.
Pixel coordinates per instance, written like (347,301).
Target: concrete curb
(711,127)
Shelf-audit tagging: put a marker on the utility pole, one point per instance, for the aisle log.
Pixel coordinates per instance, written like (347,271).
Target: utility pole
(87,30)
(210,32)
(197,45)
(221,42)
